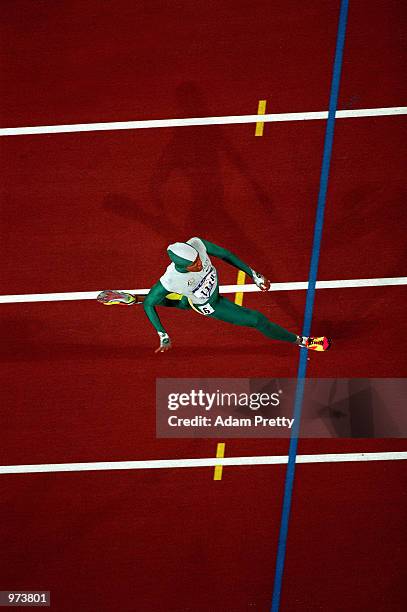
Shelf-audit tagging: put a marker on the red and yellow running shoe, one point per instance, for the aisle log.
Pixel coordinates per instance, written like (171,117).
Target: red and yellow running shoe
(111,297)
(316,343)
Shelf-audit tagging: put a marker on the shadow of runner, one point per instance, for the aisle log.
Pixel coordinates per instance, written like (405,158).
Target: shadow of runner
(195,154)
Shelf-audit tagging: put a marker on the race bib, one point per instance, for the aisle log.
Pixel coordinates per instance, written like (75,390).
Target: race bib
(206,309)
(207,285)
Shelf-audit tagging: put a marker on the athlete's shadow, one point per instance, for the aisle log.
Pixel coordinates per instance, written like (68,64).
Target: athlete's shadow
(197,153)
(194,156)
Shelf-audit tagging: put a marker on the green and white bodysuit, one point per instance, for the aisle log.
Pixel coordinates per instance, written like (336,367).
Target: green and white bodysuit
(180,288)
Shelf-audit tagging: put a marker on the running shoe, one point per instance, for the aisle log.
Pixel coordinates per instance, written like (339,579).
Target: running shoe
(111,297)
(316,343)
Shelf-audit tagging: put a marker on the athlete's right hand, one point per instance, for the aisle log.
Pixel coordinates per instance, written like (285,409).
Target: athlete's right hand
(261,281)
(165,343)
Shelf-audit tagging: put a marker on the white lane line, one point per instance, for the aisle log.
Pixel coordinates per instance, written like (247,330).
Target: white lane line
(250,288)
(204,462)
(232,119)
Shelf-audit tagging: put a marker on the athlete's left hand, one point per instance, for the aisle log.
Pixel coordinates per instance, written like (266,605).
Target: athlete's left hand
(165,343)
(261,282)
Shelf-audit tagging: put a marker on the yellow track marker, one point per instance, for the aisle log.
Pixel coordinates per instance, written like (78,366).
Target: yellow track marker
(261,111)
(241,279)
(220,453)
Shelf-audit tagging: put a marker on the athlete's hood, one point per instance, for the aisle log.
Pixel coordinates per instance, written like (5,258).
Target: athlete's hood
(182,254)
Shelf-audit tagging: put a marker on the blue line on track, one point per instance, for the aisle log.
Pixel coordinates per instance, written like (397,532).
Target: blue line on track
(302,367)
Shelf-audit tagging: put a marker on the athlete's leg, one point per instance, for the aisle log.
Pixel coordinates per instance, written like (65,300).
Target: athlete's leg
(113,296)
(228,311)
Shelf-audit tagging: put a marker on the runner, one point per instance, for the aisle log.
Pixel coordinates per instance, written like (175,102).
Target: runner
(191,282)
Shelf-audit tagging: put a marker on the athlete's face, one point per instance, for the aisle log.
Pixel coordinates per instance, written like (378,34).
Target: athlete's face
(196,266)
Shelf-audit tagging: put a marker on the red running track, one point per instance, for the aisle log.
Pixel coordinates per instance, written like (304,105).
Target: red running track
(78,379)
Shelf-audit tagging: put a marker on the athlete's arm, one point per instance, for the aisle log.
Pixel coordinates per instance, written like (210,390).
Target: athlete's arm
(230,258)
(233,260)
(156,295)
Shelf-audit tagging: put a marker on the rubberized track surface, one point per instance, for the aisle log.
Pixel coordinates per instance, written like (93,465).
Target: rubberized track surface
(78,212)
